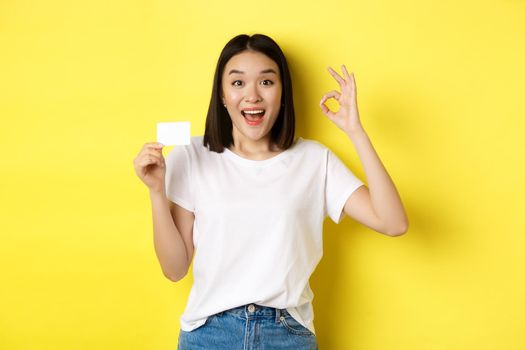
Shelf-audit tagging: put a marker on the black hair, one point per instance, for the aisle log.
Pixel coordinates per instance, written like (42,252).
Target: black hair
(218,131)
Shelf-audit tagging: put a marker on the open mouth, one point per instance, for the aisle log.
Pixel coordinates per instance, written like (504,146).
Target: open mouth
(253,116)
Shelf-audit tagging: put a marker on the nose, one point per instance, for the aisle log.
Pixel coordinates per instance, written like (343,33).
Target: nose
(252,94)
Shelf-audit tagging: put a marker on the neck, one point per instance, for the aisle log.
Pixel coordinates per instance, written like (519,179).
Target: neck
(253,149)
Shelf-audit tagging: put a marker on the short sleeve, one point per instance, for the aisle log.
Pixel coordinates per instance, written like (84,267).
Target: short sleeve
(340,184)
(178,175)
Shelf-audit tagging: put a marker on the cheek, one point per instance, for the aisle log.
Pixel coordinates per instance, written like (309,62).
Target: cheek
(232,96)
(275,97)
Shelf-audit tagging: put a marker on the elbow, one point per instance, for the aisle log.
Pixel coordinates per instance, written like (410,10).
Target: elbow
(175,277)
(397,230)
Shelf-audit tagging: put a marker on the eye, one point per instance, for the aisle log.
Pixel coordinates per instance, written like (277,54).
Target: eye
(237,83)
(267,82)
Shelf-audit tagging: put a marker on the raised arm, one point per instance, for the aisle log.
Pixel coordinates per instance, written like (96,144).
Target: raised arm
(172,224)
(377,206)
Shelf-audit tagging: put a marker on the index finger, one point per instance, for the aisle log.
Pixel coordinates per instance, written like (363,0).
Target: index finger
(154,145)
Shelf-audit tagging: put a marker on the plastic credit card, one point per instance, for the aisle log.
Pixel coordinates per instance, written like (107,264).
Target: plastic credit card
(172,134)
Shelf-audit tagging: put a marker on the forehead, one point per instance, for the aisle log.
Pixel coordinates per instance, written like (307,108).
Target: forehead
(250,62)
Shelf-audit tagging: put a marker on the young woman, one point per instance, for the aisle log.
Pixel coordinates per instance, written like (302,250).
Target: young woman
(249,199)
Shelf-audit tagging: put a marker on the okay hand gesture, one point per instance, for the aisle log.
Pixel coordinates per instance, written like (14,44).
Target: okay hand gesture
(347,117)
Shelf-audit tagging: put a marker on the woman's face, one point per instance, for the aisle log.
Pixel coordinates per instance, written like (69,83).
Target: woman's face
(251,91)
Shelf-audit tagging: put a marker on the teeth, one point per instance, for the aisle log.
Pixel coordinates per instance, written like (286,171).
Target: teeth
(254,112)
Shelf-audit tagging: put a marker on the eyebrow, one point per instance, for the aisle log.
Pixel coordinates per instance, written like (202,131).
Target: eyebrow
(235,71)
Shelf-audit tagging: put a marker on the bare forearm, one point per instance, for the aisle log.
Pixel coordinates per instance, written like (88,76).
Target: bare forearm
(385,199)
(169,245)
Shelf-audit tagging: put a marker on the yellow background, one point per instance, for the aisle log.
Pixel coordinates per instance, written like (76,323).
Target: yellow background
(441,94)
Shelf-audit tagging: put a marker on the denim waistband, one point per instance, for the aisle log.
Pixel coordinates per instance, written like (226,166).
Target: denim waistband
(251,311)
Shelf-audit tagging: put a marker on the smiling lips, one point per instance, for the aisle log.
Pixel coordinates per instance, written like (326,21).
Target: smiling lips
(253,116)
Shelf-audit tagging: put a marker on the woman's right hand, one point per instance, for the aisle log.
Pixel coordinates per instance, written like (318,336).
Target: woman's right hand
(150,166)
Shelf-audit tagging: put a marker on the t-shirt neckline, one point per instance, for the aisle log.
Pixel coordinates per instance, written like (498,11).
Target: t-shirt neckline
(250,162)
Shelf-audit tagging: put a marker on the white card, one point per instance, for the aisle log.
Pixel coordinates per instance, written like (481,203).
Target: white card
(171,134)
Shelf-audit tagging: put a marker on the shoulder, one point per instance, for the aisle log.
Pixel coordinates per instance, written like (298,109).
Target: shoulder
(310,146)
(195,147)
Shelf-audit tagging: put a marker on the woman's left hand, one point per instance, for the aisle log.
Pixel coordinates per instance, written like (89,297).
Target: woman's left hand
(347,117)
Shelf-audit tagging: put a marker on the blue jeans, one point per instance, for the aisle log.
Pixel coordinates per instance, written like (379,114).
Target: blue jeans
(249,327)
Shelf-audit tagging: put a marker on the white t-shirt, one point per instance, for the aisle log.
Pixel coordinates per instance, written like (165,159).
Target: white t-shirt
(258,224)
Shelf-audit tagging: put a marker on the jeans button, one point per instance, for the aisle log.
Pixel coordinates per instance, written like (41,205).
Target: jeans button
(251,308)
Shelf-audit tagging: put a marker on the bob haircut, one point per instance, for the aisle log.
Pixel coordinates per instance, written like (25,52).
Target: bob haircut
(218,131)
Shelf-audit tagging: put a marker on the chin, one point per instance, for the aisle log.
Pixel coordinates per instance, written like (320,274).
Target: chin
(257,137)
(252,133)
